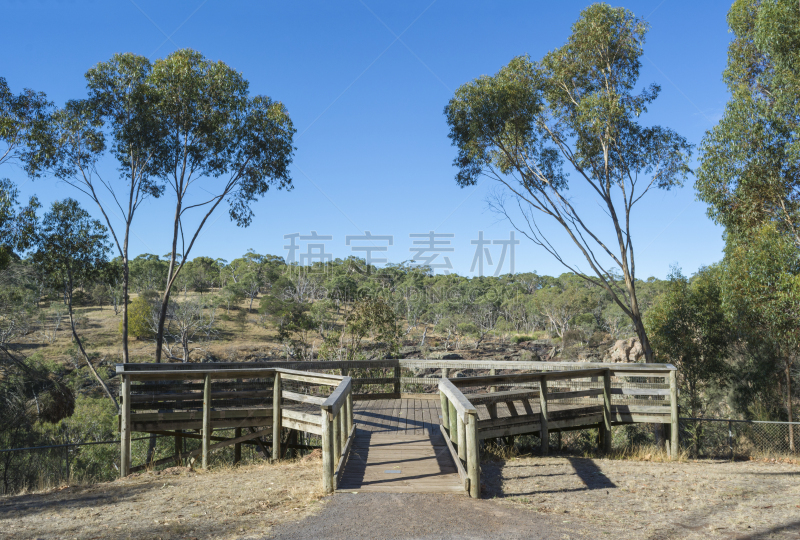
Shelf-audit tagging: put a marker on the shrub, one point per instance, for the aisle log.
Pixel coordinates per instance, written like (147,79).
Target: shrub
(140,315)
(522,339)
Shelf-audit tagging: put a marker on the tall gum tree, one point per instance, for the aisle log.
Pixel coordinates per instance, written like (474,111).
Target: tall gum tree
(749,175)
(220,145)
(72,248)
(119,109)
(577,106)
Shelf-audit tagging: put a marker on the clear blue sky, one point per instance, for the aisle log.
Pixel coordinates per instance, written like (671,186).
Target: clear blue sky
(365,84)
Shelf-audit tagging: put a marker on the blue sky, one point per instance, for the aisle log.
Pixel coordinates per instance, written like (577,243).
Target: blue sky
(365,84)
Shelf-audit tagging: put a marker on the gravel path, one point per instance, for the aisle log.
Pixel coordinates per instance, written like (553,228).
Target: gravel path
(404,516)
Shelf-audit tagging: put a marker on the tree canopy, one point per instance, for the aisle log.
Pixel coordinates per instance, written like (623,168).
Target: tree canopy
(579,106)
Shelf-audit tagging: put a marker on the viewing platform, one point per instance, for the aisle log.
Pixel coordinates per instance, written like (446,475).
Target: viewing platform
(374,435)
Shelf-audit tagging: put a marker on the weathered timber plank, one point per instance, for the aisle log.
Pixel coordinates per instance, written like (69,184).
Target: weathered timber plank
(459,401)
(462,474)
(303,398)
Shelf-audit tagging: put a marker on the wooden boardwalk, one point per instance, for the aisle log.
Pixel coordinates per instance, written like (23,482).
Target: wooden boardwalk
(399,448)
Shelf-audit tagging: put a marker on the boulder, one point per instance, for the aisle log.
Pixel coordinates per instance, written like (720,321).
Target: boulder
(625,350)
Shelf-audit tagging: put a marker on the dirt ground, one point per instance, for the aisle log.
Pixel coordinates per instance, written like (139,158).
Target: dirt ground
(244,502)
(544,498)
(643,499)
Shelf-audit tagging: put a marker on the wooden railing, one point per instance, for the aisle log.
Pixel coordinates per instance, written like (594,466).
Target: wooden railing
(169,401)
(570,395)
(565,402)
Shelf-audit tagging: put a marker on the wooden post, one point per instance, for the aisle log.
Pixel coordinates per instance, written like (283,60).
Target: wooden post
(544,434)
(453,420)
(125,428)
(349,412)
(397,380)
(462,440)
(337,441)
(607,411)
(237,448)
(445,404)
(292,441)
(473,457)
(343,427)
(327,453)
(673,402)
(206,418)
(178,447)
(277,423)
(491,408)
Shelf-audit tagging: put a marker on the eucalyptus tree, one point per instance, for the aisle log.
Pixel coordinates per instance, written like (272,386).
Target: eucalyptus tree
(749,170)
(27,136)
(761,292)
(26,141)
(72,247)
(119,109)
(689,329)
(219,145)
(17,224)
(577,106)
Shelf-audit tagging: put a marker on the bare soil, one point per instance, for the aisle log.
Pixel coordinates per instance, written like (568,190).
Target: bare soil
(644,499)
(241,502)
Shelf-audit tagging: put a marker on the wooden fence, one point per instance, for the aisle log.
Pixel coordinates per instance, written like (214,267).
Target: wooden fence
(567,400)
(481,399)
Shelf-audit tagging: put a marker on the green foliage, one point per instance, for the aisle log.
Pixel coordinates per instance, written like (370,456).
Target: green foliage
(140,318)
(688,328)
(750,163)
(17,225)
(578,105)
(287,314)
(71,247)
(27,130)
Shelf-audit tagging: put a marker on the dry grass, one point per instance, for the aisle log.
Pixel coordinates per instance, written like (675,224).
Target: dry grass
(234,502)
(99,329)
(625,498)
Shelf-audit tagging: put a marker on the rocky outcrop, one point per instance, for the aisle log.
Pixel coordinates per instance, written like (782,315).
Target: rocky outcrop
(625,350)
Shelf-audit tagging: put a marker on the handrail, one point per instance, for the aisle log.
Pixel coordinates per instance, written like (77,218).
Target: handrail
(461,403)
(408,363)
(337,397)
(527,377)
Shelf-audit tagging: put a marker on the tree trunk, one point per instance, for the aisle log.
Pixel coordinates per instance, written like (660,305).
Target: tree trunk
(68,296)
(789,403)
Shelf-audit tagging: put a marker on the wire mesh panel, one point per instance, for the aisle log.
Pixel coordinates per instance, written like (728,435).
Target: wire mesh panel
(724,438)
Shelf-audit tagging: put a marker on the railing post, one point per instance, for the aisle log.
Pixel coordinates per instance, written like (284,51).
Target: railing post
(327,453)
(125,428)
(343,428)
(492,372)
(473,457)
(178,447)
(445,404)
(607,410)
(673,402)
(349,412)
(237,448)
(462,439)
(445,410)
(277,417)
(544,434)
(397,380)
(337,441)
(206,418)
(453,420)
